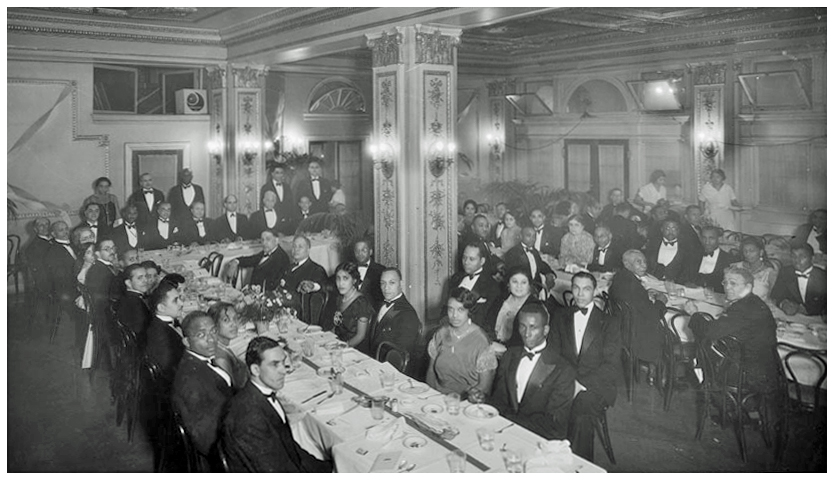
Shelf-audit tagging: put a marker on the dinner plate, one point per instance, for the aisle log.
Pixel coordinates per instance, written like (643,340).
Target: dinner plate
(480,411)
(328,371)
(797,327)
(336,345)
(309,329)
(414,442)
(412,388)
(432,408)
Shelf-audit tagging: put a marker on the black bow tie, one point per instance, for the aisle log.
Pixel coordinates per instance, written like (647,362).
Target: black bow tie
(528,249)
(163,220)
(198,220)
(266,254)
(366,264)
(530,355)
(93,225)
(130,225)
(388,303)
(314,179)
(583,310)
(710,254)
(176,323)
(268,210)
(670,243)
(295,264)
(186,186)
(603,250)
(272,396)
(231,215)
(802,274)
(540,229)
(147,191)
(473,275)
(211,362)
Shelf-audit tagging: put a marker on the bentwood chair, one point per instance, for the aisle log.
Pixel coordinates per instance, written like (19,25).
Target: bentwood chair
(601,430)
(14,262)
(393,354)
(675,354)
(312,306)
(804,398)
(216,260)
(125,382)
(178,445)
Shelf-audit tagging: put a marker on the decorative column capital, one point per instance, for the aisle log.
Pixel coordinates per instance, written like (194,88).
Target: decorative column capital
(385,48)
(709,73)
(249,76)
(499,88)
(216,76)
(436,45)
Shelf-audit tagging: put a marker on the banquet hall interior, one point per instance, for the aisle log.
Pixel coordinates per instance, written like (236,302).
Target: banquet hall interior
(420,121)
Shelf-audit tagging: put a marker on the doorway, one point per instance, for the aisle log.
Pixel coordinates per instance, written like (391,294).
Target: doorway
(351,169)
(596,166)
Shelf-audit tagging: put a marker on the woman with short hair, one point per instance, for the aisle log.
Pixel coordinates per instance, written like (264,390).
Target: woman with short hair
(107,203)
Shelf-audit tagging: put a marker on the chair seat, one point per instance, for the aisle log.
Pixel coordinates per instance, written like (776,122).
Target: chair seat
(806,393)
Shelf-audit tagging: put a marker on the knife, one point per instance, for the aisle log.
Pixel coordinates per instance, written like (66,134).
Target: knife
(314,396)
(325,398)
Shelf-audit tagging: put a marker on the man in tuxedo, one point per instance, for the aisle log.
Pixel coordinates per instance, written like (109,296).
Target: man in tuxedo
(161,231)
(164,338)
(801,287)
(195,228)
(128,236)
(548,238)
(624,229)
(318,189)
(201,388)
(255,431)
(397,321)
(691,227)
(60,263)
(713,261)
(34,256)
(284,198)
(269,266)
(301,212)
(474,278)
(671,257)
(370,272)
(231,224)
(132,310)
(524,255)
(183,196)
(100,281)
(304,275)
(813,233)
(90,216)
(146,200)
(495,232)
(590,216)
(616,198)
(478,235)
(534,385)
(590,341)
(266,218)
(608,254)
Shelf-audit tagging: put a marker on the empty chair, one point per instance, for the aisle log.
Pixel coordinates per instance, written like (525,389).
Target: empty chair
(312,306)
(391,353)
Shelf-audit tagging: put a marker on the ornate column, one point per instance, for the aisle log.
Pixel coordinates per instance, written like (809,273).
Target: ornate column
(708,119)
(244,139)
(415,184)
(217,139)
(496,129)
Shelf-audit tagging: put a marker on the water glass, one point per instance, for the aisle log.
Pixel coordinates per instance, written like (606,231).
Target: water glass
(512,461)
(670,288)
(457,461)
(295,356)
(336,358)
(377,408)
(486,438)
(336,383)
(709,294)
(308,348)
(452,401)
(387,380)
(283,325)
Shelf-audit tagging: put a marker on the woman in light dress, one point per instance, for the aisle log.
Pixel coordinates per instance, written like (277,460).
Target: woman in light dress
(577,245)
(501,320)
(716,200)
(764,272)
(649,194)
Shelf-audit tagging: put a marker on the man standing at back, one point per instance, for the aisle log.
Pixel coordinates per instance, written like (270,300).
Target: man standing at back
(146,200)
(35,260)
(183,196)
(370,272)
(284,199)
(318,189)
(255,431)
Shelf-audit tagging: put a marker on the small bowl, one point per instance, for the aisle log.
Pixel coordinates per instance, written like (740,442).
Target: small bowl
(414,442)
(432,408)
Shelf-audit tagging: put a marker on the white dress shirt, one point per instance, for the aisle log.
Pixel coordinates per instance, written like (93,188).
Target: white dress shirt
(210,362)
(708,262)
(279,190)
(538,244)
(94,229)
(602,252)
(803,281)
(270,217)
(498,229)
(580,324)
(363,270)
(469,283)
(201,226)
(812,240)
(188,194)
(164,228)
(296,267)
(534,268)
(149,199)
(316,187)
(275,403)
(667,253)
(132,236)
(387,306)
(232,221)
(525,369)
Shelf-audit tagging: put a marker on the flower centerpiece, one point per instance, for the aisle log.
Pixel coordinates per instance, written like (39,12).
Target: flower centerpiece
(263,307)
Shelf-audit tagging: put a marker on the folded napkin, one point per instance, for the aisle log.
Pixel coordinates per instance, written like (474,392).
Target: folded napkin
(386,431)
(434,425)
(551,457)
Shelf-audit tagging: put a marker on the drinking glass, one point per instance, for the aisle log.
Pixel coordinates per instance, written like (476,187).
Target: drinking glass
(486,438)
(377,408)
(308,348)
(457,461)
(387,379)
(336,385)
(452,401)
(336,358)
(295,356)
(670,288)
(512,461)
(709,294)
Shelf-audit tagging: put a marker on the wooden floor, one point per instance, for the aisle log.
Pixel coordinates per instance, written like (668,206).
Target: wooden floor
(61,421)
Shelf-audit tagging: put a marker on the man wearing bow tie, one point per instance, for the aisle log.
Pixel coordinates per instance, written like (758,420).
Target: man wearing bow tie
(285,200)
(813,233)
(100,282)
(164,338)
(146,200)
(266,218)
(534,385)
(671,257)
(713,261)
(60,262)
(690,227)
(183,196)
(474,279)
(195,228)
(255,430)
(318,189)
(590,341)
(301,213)
(132,310)
(35,260)
(162,231)
(608,254)
(800,287)
(478,234)
(269,266)
(231,224)
(498,228)
(304,275)
(201,388)
(127,236)
(548,238)
(370,272)
(397,321)
(524,255)
(90,214)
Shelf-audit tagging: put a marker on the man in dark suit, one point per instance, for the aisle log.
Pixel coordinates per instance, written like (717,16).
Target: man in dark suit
(127,236)
(60,263)
(713,262)
(255,432)
(590,217)
(478,235)
(397,321)
(318,189)
(813,233)
(266,218)
(370,272)
(474,278)
(524,255)
(100,282)
(670,257)
(269,266)
(183,196)
(690,227)
(647,308)
(164,339)
(590,341)
(201,388)
(146,199)
(496,230)
(534,385)
(624,229)
(90,215)
(195,228)
(616,198)
(300,213)
(34,256)
(548,238)
(285,201)
(231,224)
(132,309)
(304,275)
(801,287)
(608,254)
(161,231)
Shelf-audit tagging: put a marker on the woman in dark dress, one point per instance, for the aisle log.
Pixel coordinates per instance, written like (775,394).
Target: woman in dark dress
(107,203)
(354,312)
(225,317)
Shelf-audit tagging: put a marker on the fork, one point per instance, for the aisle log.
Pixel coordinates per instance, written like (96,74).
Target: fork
(424,397)
(504,428)
(332,421)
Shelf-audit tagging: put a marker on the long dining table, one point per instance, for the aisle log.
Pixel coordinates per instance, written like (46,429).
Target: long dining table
(337,427)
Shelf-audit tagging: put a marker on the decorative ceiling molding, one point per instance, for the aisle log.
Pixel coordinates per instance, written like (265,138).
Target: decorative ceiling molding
(284,20)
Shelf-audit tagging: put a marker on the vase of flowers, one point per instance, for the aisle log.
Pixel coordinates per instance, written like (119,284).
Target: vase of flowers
(265,307)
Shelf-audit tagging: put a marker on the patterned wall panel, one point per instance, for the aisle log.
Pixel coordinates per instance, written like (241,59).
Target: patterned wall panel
(386,126)
(248,147)
(216,152)
(708,124)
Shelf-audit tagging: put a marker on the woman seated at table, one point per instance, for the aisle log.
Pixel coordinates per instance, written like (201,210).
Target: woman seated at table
(353,311)
(500,323)
(460,358)
(577,245)
(225,318)
(510,235)
(764,272)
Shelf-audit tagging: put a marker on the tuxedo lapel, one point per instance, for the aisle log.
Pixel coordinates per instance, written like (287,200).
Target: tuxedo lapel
(540,373)
(512,383)
(591,331)
(570,335)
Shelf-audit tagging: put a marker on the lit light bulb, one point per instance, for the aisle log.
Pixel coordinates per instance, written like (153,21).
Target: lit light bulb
(451,147)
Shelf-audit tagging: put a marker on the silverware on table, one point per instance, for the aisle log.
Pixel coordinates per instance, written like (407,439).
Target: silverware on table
(332,421)
(501,430)
(424,397)
(314,396)
(326,398)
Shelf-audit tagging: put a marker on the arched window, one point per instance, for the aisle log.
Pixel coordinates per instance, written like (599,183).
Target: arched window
(595,96)
(336,95)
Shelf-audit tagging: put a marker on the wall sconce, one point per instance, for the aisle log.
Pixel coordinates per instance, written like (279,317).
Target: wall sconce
(494,143)
(383,157)
(441,155)
(249,150)
(215,149)
(295,144)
